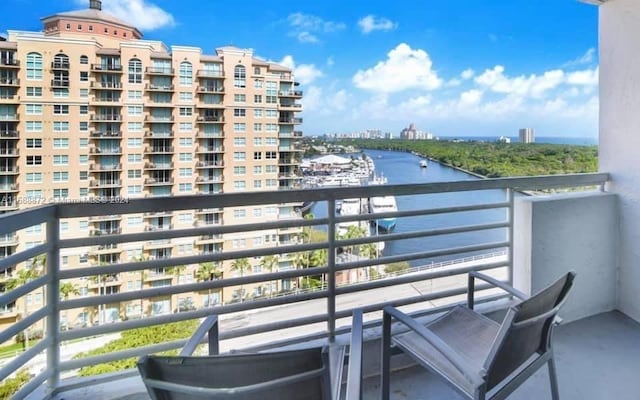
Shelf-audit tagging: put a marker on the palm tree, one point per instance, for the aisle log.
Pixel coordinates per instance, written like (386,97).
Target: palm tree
(319,258)
(241,265)
(269,263)
(23,276)
(67,289)
(141,258)
(208,271)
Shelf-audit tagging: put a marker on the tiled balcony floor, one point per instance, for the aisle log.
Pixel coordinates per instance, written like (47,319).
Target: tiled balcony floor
(598,358)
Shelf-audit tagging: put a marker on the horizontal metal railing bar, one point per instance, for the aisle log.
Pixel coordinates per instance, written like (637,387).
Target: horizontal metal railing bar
(24,255)
(179,233)
(189,287)
(23,358)
(121,355)
(23,324)
(418,234)
(416,277)
(20,291)
(33,384)
(284,197)
(14,221)
(163,319)
(419,255)
(422,212)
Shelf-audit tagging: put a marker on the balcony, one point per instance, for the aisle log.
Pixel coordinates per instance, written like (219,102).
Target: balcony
(60,83)
(9,134)
(164,119)
(105,231)
(10,117)
(9,63)
(105,101)
(102,218)
(210,89)
(203,73)
(160,71)
(159,88)
(290,107)
(106,85)
(290,120)
(105,151)
(9,170)
(155,166)
(106,134)
(105,184)
(158,135)
(105,167)
(60,65)
(158,228)
(212,106)
(159,150)
(291,93)
(158,182)
(207,135)
(9,82)
(157,244)
(8,187)
(209,149)
(205,180)
(541,236)
(9,240)
(9,99)
(106,117)
(209,164)
(210,119)
(106,68)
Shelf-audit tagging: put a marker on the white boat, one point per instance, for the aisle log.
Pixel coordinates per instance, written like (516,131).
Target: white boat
(423,163)
(383,204)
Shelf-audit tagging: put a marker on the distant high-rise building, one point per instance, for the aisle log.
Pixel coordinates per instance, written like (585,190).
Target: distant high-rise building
(527,135)
(411,133)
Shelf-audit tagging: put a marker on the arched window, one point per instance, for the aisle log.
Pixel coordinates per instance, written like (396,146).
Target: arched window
(186,73)
(34,67)
(239,76)
(61,61)
(135,71)
(84,60)
(60,69)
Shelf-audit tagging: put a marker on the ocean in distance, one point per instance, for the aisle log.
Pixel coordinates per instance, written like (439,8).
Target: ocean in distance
(579,141)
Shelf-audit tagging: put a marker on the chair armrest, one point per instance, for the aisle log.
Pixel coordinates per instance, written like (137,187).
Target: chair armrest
(434,340)
(208,326)
(471,286)
(354,372)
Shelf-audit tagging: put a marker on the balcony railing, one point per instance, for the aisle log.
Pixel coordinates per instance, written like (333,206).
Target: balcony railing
(160,71)
(203,73)
(9,82)
(11,62)
(60,65)
(115,68)
(323,305)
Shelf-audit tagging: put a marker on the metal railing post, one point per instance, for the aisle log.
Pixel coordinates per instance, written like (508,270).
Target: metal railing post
(53,301)
(331,279)
(510,211)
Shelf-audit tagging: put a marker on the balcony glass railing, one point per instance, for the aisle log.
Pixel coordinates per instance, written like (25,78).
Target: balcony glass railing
(479,213)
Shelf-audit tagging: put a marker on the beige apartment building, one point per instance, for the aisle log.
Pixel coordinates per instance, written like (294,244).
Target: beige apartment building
(90,109)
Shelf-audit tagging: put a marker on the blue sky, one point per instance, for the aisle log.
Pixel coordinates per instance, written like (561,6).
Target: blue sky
(455,67)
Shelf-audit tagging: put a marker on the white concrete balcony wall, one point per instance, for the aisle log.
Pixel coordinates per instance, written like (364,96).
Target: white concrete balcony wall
(620,135)
(577,232)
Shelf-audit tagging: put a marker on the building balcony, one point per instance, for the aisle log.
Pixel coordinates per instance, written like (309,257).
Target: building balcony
(10,117)
(11,63)
(9,99)
(291,93)
(290,120)
(105,282)
(106,85)
(157,244)
(105,151)
(538,238)
(105,167)
(159,88)
(9,82)
(290,107)
(8,187)
(297,134)
(105,184)
(204,106)
(210,89)
(209,164)
(103,218)
(209,149)
(205,180)
(9,134)
(106,117)
(202,211)
(9,240)
(106,134)
(160,119)
(60,66)
(106,68)
(158,228)
(209,239)
(105,231)
(9,170)
(104,249)
(156,166)
(160,71)
(158,135)
(207,135)
(8,205)
(60,83)
(203,73)
(105,101)
(210,119)
(158,182)
(159,149)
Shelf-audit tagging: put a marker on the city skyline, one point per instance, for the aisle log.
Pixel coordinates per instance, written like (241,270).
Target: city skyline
(455,69)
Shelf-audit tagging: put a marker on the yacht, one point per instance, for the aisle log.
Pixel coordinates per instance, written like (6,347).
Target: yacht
(383,204)
(423,163)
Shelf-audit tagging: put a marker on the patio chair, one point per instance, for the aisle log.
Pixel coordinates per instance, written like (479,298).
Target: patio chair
(477,356)
(313,373)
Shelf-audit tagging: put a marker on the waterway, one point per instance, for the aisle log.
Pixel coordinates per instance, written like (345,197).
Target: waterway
(402,168)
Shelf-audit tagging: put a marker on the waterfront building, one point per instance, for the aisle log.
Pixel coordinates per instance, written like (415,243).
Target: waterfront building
(91,110)
(411,133)
(527,135)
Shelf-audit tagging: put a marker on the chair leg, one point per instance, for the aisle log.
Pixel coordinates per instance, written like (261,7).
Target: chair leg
(554,379)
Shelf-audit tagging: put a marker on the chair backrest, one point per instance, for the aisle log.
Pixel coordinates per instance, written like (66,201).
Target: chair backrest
(296,374)
(526,330)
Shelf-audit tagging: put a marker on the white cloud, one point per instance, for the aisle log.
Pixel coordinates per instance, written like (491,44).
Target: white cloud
(587,58)
(588,77)
(472,96)
(533,85)
(467,74)
(372,23)
(403,69)
(304,73)
(139,13)
(307,27)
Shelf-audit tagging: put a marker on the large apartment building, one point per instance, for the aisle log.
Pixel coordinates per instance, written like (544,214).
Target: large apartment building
(90,109)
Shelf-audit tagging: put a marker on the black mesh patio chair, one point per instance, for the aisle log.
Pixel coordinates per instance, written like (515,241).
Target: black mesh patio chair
(477,356)
(313,373)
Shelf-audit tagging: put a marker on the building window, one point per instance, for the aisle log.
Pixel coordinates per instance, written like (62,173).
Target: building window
(239,112)
(134,111)
(90,28)
(34,126)
(61,176)
(60,126)
(34,67)
(185,157)
(257,142)
(186,74)
(84,143)
(84,110)
(134,94)
(34,92)
(60,143)
(240,141)
(68,27)
(257,127)
(84,60)
(186,111)
(60,193)
(239,170)
(256,70)
(186,142)
(61,109)
(239,156)
(239,76)
(34,177)
(186,96)
(257,113)
(239,127)
(34,143)
(239,98)
(84,175)
(83,126)
(60,159)
(257,98)
(34,160)
(135,71)
(34,109)
(79,27)
(134,174)
(257,155)
(84,76)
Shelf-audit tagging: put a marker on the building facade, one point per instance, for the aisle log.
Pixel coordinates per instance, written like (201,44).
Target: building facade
(527,135)
(88,109)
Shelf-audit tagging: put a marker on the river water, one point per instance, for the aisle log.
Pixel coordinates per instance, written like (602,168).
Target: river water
(403,168)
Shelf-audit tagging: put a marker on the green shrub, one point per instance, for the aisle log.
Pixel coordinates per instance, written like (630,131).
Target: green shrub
(401,266)
(11,385)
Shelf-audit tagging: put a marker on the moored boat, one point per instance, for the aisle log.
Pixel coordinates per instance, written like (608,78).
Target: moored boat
(383,204)
(423,163)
